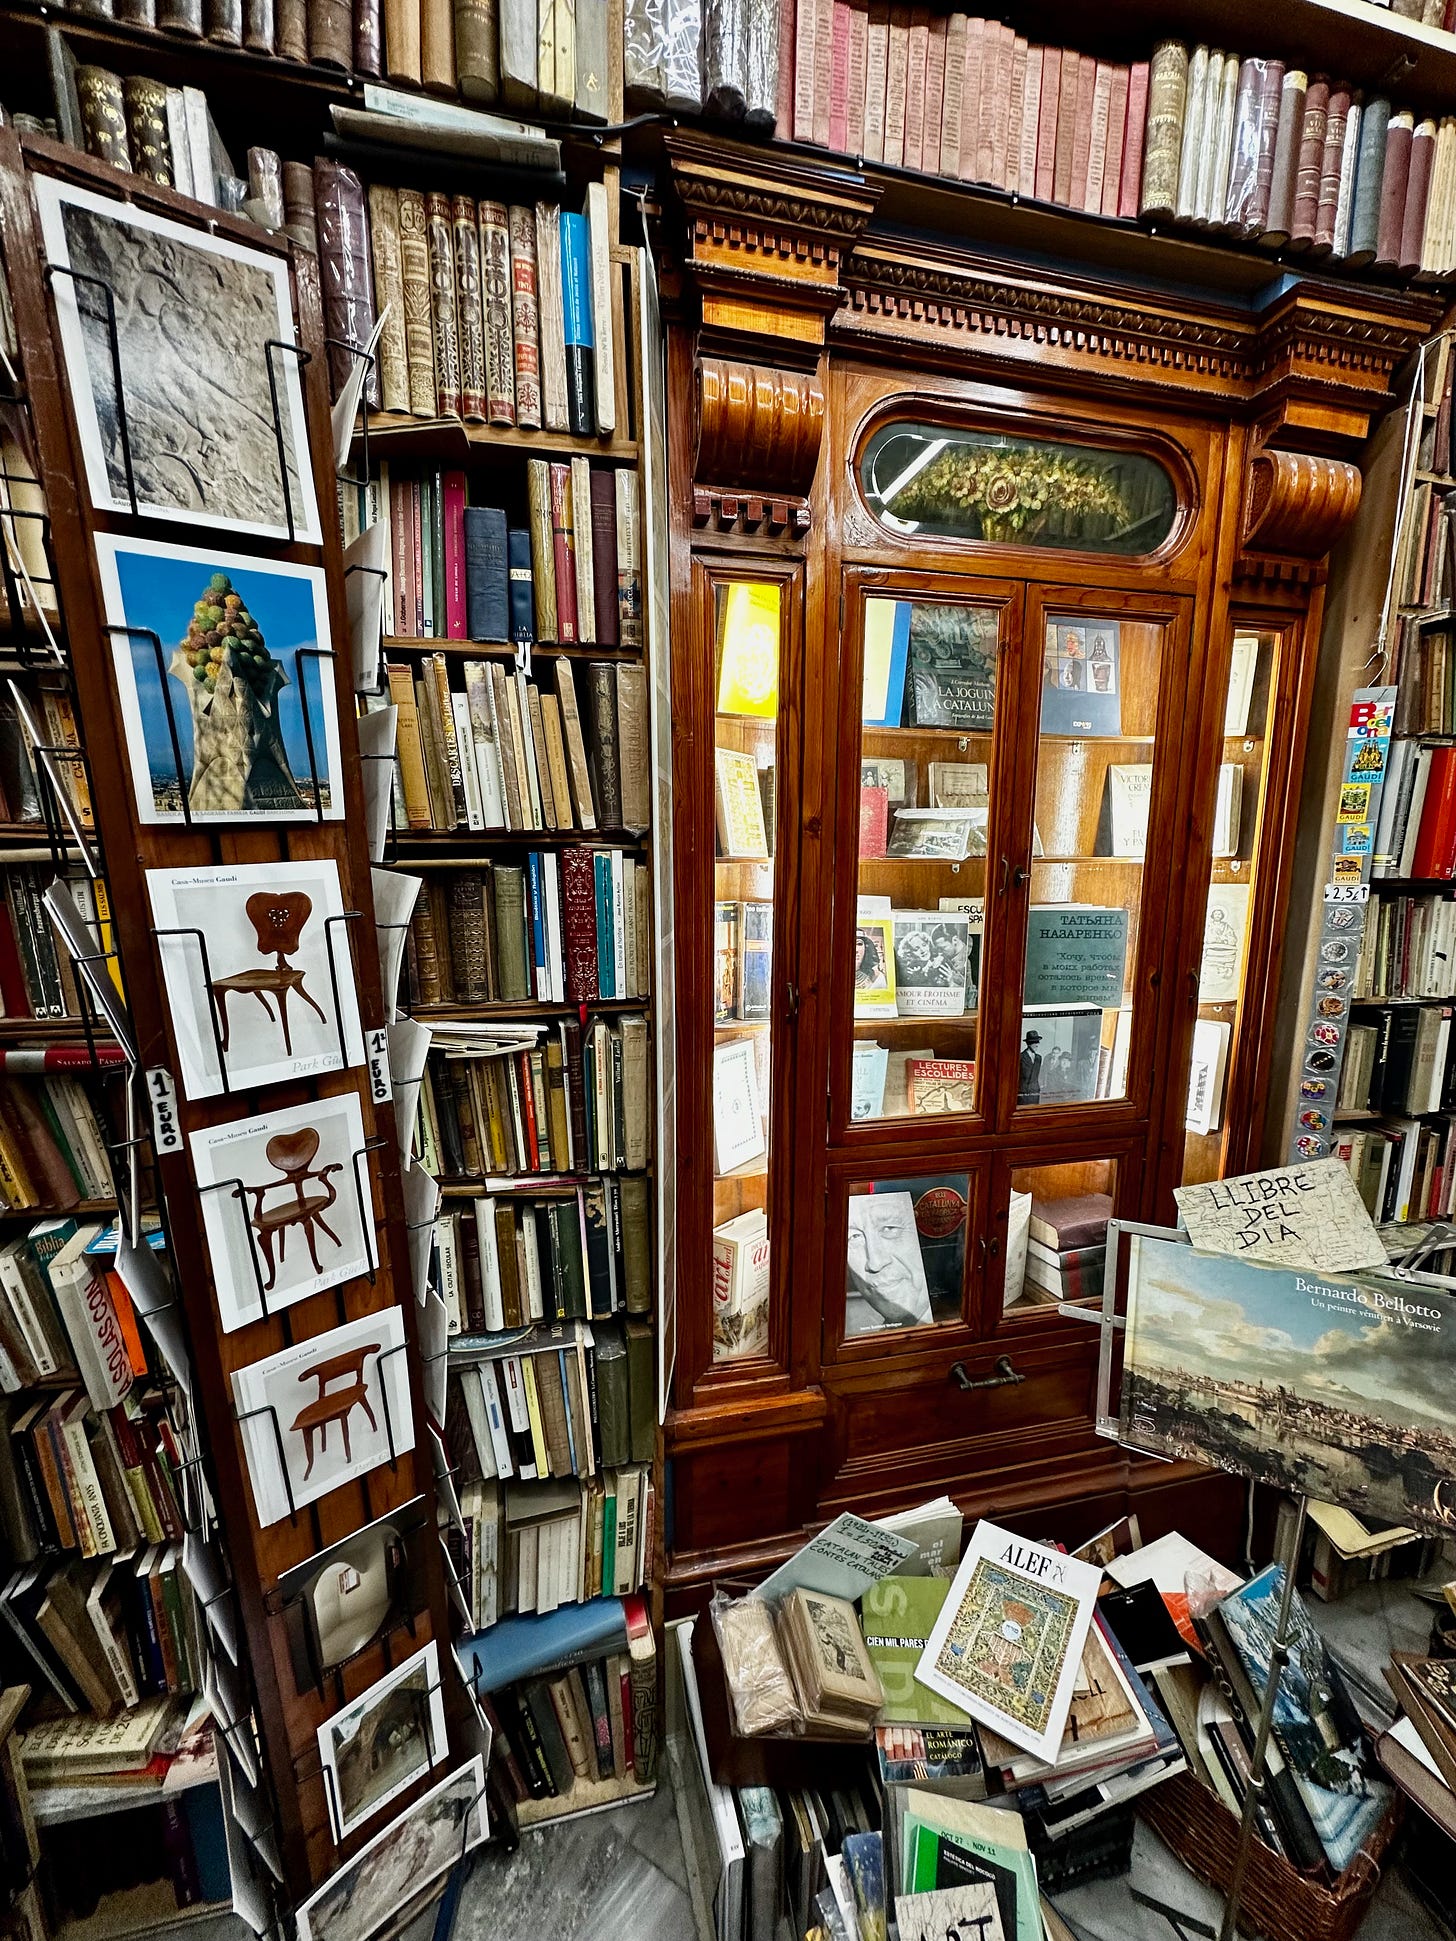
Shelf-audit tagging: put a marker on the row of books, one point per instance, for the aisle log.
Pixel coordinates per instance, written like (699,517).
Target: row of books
(95,1481)
(496,315)
(53,1145)
(1399,1059)
(102,1636)
(1415,831)
(1402,1168)
(64,1315)
(536,1546)
(512,1260)
(37,977)
(584,1708)
(1407,950)
(1424,658)
(459,570)
(555,1108)
(550,1401)
(554,928)
(742,962)
(502,751)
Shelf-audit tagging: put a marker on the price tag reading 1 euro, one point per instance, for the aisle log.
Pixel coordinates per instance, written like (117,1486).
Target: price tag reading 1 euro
(1347,892)
(162,1094)
(379,1086)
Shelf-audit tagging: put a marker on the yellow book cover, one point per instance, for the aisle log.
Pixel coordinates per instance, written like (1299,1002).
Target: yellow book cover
(874,968)
(741,830)
(533,1409)
(748,651)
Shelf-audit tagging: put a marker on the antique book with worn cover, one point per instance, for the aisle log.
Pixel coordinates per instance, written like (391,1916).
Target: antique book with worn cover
(601,725)
(579,924)
(1163,146)
(402,40)
(632,749)
(439,219)
(394,389)
(549,302)
(331,33)
(298,211)
(468,311)
(368,37)
(437,45)
(477,53)
(525,319)
(543,561)
(563,552)
(629,561)
(291,27)
(581,525)
(343,233)
(146,121)
(603,497)
(576,757)
(103,115)
(414,269)
(500,373)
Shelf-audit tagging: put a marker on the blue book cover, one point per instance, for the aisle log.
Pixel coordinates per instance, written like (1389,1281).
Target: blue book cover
(606,936)
(538,920)
(522,584)
(576,310)
(886,654)
(526,1647)
(1316,1725)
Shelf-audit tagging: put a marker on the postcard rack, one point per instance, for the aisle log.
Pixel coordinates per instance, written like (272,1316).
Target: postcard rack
(296,1686)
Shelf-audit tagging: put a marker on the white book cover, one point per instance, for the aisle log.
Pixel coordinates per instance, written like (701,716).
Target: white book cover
(490,1267)
(1243,665)
(469,773)
(1007,1646)
(1130,791)
(737,1113)
(1228,809)
(495,1417)
(1206,1073)
(89,1318)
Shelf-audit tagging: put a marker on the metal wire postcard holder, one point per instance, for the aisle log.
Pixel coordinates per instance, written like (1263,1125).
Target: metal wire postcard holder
(22,595)
(237,1190)
(378,573)
(400,1531)
(371,369)
(269,1410)
(1113,1323)
(310,1765)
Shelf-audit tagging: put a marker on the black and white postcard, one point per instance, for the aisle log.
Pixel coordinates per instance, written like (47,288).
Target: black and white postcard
(323,1412)
(194,314)
(256,958)
(287,1204)
(384,1741)
(408,1855)
(231,710)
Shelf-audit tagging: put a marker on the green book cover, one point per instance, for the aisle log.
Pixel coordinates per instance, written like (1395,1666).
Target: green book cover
(609,1538)
(936,1858)
(1075,954)
(899,1615)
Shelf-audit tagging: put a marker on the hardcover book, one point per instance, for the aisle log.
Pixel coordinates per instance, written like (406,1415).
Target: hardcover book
(1080,691)
(906,1245)
(951,666)
(932,950)
(1075,954)
(1059,1056)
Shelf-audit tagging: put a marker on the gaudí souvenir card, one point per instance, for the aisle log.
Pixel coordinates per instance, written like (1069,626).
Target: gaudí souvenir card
(382,1743)
(326,1410)
(194,314)
(424,1842)
(256,961)
(1007,1646)
(287,1204)
(238,682)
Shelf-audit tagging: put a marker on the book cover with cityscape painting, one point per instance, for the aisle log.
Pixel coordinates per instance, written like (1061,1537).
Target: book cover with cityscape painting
(1343,1389)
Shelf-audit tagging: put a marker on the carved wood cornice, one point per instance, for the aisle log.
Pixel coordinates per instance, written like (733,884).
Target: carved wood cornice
(1318,358)
(759,431)
(1296,503)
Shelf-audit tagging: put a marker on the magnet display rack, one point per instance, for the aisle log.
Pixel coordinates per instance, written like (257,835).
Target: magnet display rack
(288,1707)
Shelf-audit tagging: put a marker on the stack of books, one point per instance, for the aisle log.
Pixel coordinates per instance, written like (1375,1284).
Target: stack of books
(53,1145)
(534,1546)
(1066,1248)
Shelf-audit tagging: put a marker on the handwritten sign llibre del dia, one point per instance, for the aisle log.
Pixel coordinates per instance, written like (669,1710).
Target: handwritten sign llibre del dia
(1308,1215)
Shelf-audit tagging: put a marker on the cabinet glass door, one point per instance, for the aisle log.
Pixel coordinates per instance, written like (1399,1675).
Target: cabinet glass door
(1095,866)
(748,631)
(931,682)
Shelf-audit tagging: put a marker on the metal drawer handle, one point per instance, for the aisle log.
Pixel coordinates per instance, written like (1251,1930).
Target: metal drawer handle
(1004,1377)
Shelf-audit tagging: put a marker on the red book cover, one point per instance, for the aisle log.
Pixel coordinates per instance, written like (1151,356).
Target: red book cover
(1417,195)
(1310,165)
(563,547)
(528,1112)
(1392,191)
(1271,93)
(1076,196)
(454,489)
(1046,138)
(579,923)
(1001,104)
(916,48)
(401,533)
(874,820)
(803,72)
(977,34)
(1131,186)
(1336,123)
(1435,851)
(1116,140)
(823,52)
(839,79)
(984,107)
(1091,196)
(854,105)
(784,98)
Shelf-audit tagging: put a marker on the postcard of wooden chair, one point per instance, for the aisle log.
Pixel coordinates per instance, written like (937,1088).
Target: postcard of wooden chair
(278,918)
(338,1405)
(293,1153)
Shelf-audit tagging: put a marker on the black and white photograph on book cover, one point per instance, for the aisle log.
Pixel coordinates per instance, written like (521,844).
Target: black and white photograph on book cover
(287,1204)
(223,671)
(379,1745)
(323,1412)
(184,368)
(408,1856)
(258,967)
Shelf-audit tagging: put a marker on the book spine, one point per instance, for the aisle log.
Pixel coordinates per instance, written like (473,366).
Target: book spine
(576,311)
(468,313)
(1309,164)
(500,357)
(525,318)
(1337,118)
(1163,144)
(439,217)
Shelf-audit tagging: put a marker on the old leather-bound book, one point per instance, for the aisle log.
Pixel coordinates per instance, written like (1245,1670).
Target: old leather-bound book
(259,26)
(298,211)
(525,316)
(180,17)
(581,522)
(579,923)
(603,491)
(554,410)
(468,316)
(437,45)
(223,22)
(343,234)
(1309,164)
(402,40)
(1287,144)
(1393,185)
(601,727)
(1163,147)
(138,13)
(103,115)
(331,33)
(543,561)
(633,767)
(394,388)
(439,221)
(497,306)
(146,124)
(291,29)
(477,49)
(414,268)
(368,37)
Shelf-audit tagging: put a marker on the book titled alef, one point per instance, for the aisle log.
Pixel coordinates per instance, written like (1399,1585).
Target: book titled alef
(1007,1645)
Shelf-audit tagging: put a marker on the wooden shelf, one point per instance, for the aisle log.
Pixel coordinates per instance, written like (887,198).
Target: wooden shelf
(457,839)
(503,650)
(151,1909)
(428,435)
(916,1027)
(586,1796)
(81,1210)
(526,1009)
(67,1031)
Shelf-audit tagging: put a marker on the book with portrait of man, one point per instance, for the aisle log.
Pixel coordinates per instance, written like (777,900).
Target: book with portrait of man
(906,1251)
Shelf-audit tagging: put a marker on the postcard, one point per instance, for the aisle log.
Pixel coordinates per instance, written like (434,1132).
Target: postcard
(228,709)
(287,1205)
(970,1913)
(323,1412)
(1308,1215)
(408,1855)
(1337,1388)
(384,1741)
(1007,1646)
(194,316)
(255,957)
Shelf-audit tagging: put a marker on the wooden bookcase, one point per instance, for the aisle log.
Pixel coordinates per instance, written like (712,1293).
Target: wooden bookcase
(808,324)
